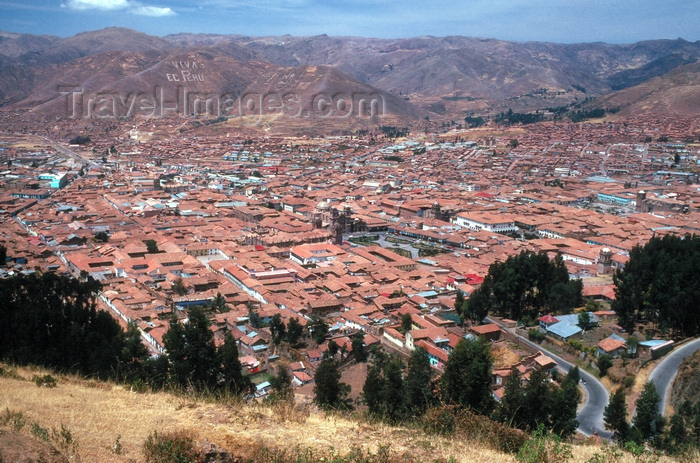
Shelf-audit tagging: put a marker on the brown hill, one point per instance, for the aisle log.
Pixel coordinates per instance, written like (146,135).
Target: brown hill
(677,92)
(106,422)
(450,76)
(210,83)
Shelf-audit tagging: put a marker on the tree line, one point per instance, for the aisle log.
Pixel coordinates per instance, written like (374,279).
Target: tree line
(52,321)
(397,393)
(521,287)
(679,435)
(657,285)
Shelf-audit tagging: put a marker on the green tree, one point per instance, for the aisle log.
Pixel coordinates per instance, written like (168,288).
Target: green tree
(605,361)
(294,331)
(373,389)
(647,421)
(476,307)
(253,318)
(101,237)
(218,304)
(523,286)
(281,384)
(459,302)
(652,285)
(677,434)
(584,320)
(418,384)
(52,320)
(319,329)
(358,347)
(332,349)
(394,394)
(406,322)
(192,352)
(277,328)
(329,390)
(466,380)
(537,400)
(564,405)
(133,355)
(615,416)
(511,409)
(152,246)
(231,369)
(179,287)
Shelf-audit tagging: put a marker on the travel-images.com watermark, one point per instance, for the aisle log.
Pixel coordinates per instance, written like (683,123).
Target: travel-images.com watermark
(250,108)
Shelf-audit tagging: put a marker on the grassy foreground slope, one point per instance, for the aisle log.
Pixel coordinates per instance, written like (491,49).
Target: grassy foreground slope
(108,423)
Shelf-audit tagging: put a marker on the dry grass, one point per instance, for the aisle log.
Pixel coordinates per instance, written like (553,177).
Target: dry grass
(503,357)
(98,413)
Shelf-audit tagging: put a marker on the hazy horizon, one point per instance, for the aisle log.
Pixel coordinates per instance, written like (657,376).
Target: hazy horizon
(565,21)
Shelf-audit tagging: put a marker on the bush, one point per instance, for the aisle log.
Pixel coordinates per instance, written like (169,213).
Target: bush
(39,432)
(139,386)
(543,448)
(14,419)
(173,447)
(44,381)
(605,361)
(439,420)
(449,419)
(536,335)
(64,440)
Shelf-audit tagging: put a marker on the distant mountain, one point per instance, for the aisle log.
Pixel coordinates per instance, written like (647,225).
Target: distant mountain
(442,76)
(676,92)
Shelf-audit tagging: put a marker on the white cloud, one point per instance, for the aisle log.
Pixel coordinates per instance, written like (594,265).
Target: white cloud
(97,4)
(154,11)
(129,6)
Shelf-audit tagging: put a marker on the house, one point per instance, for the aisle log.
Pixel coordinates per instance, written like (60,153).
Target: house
(315,355)
(438,357)
(568,328)
(654,348)
(547,321)
(262,389)
(612,345)
(297,366)
(564,331)
(301,378)
(544,363)
(490,331)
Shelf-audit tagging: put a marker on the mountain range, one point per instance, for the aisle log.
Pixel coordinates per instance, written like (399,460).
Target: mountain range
(410,79)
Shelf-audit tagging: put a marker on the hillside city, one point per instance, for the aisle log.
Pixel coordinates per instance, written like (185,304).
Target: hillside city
(358,230)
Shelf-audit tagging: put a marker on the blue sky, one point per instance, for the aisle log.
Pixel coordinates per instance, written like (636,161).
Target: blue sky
(564,21)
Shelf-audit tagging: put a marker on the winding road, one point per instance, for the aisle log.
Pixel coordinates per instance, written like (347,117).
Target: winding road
(590,415)
(663,375)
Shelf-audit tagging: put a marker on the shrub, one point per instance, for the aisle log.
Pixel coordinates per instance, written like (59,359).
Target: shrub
(11,373)
(543,448)
(610,454)
(449,419)
(39,432)
(139,386)
(14,419)
(173,447)
(439,420)
(535,335)
(44,381)
(64,440)
(605,361)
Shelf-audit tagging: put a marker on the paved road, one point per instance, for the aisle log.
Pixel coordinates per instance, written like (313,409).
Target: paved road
(663,375)
(590,415)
